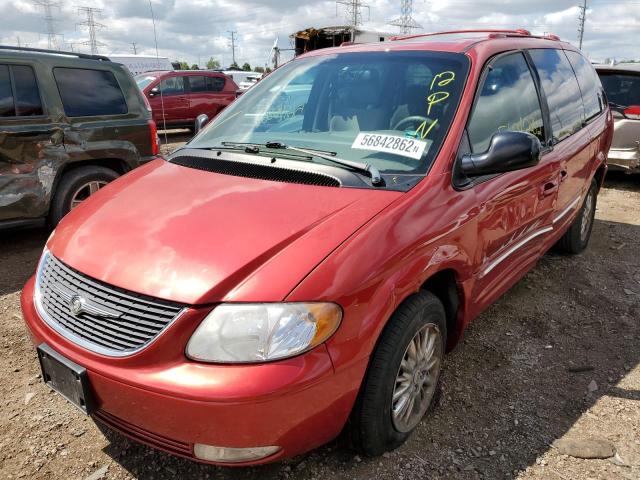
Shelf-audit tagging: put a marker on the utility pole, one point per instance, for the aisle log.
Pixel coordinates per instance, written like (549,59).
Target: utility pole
(91,25)
(581,19)
(134,48)
(232,34)
(353,14)
(48,21)
(406,21)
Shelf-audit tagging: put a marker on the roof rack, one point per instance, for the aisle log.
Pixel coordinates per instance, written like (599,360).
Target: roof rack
(519,31)
(56,52)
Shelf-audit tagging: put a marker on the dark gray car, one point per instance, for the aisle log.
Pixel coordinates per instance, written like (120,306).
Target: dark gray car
(69,124)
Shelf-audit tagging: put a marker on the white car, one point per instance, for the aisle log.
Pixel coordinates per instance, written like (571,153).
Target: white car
(621,83)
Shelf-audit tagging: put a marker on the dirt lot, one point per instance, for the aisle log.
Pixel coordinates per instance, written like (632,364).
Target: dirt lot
(557,356)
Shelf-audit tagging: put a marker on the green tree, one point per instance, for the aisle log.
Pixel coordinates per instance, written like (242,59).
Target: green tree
(195,67)
(246,67)
(183,66)
(212,64)
(234,66)
(259,69)
(267,70)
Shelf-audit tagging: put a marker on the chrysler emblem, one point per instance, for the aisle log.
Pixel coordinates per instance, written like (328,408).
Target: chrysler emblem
(76,304)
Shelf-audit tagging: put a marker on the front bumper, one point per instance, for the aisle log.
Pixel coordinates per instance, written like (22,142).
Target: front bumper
(160,398)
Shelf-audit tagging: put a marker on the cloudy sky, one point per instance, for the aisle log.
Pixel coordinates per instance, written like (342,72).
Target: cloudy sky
(194,30)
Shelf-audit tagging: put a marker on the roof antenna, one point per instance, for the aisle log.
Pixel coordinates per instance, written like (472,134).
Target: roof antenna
(155,39)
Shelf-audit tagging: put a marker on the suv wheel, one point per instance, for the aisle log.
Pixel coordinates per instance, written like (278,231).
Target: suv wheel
(576,238)
(76,186)
(403,376)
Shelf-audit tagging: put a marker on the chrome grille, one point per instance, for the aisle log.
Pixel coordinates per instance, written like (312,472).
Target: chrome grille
(99,317)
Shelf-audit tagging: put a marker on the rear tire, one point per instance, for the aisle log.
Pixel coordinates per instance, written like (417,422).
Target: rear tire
(576,238)
(378,422)
(75,186)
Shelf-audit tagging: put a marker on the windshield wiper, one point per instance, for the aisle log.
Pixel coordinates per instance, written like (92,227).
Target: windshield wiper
(367,168)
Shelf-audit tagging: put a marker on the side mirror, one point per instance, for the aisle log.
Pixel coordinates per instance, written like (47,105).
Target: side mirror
(154,91)
(508,151)
(201,121)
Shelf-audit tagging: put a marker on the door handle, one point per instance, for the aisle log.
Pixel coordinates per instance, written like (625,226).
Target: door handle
(563,175)
(548,188)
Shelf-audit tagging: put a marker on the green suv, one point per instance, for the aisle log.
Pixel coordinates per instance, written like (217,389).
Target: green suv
(69,124)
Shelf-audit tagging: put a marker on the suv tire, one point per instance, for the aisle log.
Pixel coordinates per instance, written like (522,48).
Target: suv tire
(70,188)
(374,427)
(576,238)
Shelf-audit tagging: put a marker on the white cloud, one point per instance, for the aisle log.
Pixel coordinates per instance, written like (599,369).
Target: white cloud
(193,30)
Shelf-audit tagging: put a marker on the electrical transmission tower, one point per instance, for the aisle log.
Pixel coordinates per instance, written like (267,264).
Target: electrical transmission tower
(232,38)
(134,47)
(353,11)
(92,26)
(48,6)
(406,21)
(581,19)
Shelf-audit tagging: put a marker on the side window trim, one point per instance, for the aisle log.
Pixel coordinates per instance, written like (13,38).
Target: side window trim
(12,81)
(544,105)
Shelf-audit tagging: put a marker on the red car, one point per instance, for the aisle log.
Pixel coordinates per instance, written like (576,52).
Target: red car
(183,95)
(305,261)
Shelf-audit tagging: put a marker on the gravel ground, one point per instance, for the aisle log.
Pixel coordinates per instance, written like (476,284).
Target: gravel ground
(556,357)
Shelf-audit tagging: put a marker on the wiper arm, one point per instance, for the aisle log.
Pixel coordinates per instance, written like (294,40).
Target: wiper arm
(367,168)
(370,170)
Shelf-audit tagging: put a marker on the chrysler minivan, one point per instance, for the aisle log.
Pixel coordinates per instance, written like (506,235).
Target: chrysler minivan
(301,266)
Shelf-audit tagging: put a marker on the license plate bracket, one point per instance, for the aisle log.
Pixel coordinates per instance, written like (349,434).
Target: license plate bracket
(66,378)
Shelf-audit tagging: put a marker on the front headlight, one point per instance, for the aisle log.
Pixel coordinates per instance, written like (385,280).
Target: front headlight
(259,332)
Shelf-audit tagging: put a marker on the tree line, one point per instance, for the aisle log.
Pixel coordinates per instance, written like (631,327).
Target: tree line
(213,64)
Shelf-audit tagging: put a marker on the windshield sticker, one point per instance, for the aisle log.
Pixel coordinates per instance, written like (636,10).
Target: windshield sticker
(407,147)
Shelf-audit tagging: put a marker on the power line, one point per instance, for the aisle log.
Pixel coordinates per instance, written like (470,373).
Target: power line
(91,25)
(406,21)
(581,19)
(232,35)
(49,21)
(353,11)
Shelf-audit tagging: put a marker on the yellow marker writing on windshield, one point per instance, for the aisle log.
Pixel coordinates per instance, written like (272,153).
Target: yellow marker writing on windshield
(446,78)
(421,129)
(434,98)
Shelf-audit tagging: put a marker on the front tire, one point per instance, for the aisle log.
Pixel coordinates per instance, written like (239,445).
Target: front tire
(402,380)
(576,238)
(76,186)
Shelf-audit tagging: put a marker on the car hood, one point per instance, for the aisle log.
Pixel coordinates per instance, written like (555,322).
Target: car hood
(199,237)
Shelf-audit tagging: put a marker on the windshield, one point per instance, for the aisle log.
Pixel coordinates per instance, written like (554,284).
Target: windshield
(144,80)
(388,109)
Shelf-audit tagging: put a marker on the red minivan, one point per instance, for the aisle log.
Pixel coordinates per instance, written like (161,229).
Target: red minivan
(178,97)
(304,263)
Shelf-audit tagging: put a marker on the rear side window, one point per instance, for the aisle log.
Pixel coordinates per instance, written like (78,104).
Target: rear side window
(215,84)
(589,84)
(561,89)
(622,89)
(88,93)
(197,83)
(19,95)
(172,86)
(507,100)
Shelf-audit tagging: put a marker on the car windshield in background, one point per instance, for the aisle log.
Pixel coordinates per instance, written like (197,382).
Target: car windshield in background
(144,80)
(621,88)
(388,109)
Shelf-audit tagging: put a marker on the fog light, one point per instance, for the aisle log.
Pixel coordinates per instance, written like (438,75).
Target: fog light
(232,455)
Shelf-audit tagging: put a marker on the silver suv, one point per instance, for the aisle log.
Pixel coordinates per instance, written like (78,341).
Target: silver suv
(622,85)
